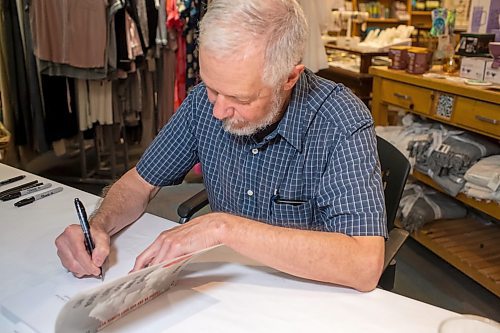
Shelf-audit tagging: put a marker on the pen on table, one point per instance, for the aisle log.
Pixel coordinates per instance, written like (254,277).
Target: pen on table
(15,195)
(84,223)
(39,196)
(11,180)
(19,188)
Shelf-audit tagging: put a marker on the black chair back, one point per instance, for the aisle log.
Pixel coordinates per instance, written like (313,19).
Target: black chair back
(395,169)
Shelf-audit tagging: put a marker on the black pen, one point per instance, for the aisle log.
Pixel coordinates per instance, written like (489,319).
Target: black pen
(19,188)
(11,180)
(15,195)
(84,223)
(39,196)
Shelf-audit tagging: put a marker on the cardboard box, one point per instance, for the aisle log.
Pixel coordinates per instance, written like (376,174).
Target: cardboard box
(491,74)
(473,67)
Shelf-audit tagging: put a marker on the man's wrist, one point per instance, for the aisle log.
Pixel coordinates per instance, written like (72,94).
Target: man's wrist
(222,226)
(99,221)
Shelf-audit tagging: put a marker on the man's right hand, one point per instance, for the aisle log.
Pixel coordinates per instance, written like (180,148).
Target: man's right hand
(73,254)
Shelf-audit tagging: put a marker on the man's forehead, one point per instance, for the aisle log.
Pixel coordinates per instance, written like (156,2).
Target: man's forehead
(230,77)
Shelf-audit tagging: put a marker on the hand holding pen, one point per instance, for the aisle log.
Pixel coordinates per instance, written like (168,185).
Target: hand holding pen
(84,223)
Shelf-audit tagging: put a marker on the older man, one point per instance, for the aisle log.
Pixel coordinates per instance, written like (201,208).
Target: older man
(289,159)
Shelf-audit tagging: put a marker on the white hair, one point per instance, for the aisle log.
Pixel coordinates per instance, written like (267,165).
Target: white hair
(231,26)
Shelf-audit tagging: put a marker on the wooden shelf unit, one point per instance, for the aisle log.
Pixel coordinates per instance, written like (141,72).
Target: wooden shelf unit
(419,19)
(470,245)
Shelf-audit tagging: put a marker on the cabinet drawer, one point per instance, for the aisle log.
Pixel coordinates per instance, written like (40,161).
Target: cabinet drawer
(407,96)
(477,115)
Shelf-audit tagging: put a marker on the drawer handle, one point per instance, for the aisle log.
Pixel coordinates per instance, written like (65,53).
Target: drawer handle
(487,120)
(401,96)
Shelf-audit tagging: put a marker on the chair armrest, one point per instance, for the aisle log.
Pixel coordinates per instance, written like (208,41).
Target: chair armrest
(192,205)
(397,237)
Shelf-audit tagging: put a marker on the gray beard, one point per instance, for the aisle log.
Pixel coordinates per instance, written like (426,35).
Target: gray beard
(276,104)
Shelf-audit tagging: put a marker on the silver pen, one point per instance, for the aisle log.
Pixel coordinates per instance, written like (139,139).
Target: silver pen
(39,196)
(15,195)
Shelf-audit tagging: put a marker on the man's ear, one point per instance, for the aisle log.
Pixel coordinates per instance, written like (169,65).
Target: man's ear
(294,76)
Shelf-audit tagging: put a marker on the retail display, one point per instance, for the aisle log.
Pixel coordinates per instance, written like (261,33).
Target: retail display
(382,40)
(474,45)
(469,109)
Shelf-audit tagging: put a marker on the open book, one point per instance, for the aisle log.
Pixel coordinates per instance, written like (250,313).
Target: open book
(95,308)
(91,310)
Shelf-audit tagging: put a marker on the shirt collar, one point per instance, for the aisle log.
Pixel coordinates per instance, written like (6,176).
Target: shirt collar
(299,114)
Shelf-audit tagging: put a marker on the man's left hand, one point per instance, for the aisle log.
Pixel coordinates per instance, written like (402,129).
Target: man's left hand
(198,234)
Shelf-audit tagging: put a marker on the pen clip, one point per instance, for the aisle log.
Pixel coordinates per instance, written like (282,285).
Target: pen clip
(280,201)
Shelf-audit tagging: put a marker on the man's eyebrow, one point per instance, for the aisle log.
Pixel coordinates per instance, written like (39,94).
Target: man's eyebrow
(238,97)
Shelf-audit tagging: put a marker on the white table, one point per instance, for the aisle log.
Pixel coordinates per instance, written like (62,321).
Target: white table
(222,292)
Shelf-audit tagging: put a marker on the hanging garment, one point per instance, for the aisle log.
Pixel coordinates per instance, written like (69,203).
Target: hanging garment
(70,32)
(148,21)
(192,16)
(166,82)
(60,110)
(34,86)
(129,41)
(175,22)
(134,48)
(15,89)
(161,29)
(93,103)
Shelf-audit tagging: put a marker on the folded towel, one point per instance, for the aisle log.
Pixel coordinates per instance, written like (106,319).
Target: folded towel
(486,173)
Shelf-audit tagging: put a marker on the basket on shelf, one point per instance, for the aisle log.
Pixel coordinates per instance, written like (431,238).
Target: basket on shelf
(4,140)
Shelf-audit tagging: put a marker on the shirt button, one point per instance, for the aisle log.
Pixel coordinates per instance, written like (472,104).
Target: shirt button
(255,151)
(250,193)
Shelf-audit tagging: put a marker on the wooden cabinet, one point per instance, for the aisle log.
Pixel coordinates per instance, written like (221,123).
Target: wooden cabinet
(468,244)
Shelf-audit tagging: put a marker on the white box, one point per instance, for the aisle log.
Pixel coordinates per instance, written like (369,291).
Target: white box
(473,68)
(491,74)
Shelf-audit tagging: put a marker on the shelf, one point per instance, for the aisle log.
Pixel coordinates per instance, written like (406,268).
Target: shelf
(384,20)
(471,246)
(421,13)
(490,208)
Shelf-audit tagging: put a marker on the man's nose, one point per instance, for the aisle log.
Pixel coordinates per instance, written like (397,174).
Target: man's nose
(222,109)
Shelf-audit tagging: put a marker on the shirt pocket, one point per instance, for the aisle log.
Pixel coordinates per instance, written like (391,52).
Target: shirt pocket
(299,216)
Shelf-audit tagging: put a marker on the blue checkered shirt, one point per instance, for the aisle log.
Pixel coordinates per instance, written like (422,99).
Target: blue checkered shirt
(323,153)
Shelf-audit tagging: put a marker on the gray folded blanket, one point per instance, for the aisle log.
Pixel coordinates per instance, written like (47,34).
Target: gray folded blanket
(459,152)
(421,204)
